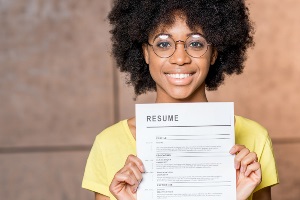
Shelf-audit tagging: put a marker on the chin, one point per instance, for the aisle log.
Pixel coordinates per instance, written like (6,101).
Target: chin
(181,97)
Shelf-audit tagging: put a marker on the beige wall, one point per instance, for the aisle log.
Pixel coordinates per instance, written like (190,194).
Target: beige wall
(56,94)
(58,89)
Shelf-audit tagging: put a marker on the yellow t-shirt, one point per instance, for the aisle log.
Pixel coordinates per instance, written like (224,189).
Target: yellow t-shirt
(112,147)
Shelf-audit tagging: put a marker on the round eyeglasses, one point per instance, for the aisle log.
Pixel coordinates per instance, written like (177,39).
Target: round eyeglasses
(164,46)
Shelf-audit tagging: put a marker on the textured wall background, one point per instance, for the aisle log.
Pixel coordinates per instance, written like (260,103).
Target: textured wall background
(56,94)
(58,89)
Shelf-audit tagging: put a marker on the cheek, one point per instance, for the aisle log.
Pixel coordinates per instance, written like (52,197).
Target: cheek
(203,64)
(156,67)
(154,70)
(157,64)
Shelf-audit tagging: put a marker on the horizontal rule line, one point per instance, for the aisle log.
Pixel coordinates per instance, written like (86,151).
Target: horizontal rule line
(193,152)
(44,149)
(201,139)
(205,156)
(200,182)
(197,135)
(185,126)
(197,186)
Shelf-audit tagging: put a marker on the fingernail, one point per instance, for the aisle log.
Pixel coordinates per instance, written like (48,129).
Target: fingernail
(232,150)
(237,165)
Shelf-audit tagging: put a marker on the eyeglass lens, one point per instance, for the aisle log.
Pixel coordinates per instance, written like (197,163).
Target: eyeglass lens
(195,45)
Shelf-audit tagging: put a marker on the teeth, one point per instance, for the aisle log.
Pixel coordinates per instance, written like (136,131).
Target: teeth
(179,76)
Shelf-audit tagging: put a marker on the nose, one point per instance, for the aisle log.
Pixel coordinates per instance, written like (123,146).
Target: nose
(180,56)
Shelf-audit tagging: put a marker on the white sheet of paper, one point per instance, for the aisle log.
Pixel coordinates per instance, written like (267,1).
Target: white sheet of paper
(185,151)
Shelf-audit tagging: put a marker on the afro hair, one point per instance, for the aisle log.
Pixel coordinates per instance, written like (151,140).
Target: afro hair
(225,23)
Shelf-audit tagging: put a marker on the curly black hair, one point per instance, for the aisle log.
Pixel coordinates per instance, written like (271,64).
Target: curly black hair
(225,23)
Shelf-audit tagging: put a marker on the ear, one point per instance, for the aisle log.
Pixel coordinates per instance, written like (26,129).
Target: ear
(214,56)
(146,53)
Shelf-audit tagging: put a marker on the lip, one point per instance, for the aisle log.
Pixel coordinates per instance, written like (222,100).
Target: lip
(179,79)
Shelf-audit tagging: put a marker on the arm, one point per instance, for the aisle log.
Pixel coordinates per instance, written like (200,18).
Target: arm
(101,197)
(263,194)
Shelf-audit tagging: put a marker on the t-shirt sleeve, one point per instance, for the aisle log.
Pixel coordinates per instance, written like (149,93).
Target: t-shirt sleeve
(95,175)
(268,166)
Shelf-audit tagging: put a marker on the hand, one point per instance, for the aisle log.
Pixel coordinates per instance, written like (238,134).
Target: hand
(126,181)
(248,171)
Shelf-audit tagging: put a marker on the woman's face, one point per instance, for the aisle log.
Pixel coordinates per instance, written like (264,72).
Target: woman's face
(180,77)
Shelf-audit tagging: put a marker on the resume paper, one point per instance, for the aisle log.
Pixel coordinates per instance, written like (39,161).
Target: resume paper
(185,150)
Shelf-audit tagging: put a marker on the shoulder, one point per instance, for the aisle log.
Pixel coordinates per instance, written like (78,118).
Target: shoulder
(245,127)
(251,134)
(113,129)
(111,133)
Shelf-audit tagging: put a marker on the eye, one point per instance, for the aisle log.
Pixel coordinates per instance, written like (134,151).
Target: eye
(196,45)
(163,45)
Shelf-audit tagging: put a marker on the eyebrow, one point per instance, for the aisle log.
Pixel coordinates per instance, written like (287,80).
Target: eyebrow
(170,35)
(161,34)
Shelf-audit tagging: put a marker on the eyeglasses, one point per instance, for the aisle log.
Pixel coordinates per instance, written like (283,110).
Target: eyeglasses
(164,45)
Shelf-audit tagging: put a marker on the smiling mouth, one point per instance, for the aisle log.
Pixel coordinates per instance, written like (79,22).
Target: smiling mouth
(179,76)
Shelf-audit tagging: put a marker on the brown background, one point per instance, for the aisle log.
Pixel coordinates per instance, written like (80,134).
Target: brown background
(59,88)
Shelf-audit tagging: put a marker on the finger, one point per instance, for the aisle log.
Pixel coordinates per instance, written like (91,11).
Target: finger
(239,157)
(126,177)
(133,171)
(137,161)
(247,160)
(120,180)
(254,167)
(136,171)
(135,165)
(236,148)
(136,182)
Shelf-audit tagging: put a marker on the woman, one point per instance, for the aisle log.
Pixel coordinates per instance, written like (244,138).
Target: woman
(178,49)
